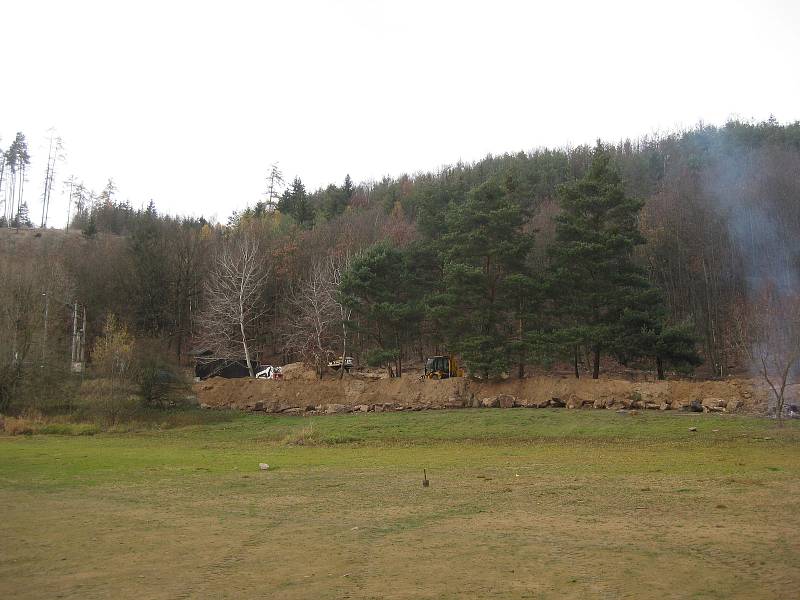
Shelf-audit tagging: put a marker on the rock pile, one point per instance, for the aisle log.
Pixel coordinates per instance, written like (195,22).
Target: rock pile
(301,396)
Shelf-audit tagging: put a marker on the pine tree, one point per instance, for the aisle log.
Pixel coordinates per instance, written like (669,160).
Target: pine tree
(645,333)
(348,188)
(337,199)
(384,288)
(22,218)
(90,231)
(16,160)
(487,293)
(294,202)
(149,284)
(595,280)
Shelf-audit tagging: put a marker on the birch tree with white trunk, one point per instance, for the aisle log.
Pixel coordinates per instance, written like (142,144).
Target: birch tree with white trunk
(312,317)
(234,294)
(337,267)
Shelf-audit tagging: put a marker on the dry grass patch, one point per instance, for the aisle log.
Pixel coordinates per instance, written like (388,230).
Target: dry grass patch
(305,436)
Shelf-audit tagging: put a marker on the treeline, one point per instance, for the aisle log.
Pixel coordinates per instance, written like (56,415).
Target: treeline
(650,253)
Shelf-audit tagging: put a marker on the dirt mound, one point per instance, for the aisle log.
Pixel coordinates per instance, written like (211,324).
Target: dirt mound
(301,392)
(298,370)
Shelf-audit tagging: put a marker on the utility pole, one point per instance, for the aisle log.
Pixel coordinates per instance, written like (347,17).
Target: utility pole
(74,348)
(78,341)
(44,332)
(83,338)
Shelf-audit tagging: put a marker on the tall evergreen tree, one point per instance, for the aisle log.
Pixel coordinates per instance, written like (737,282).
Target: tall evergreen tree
(384,287)
(487,291)
(149,284)
(89,231)
(645,333)
(294,202)
(595,280)
(16,161)
(22,218)
(348,188)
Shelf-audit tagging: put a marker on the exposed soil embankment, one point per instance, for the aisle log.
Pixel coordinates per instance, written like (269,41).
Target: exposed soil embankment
(299,395)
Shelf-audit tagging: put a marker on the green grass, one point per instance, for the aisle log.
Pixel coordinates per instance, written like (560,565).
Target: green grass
(548,503)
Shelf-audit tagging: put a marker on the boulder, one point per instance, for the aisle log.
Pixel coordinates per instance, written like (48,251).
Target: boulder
(506,401)
(293,411)
(490,402)
(556,402)
(335,409)
(378,408)
(453,402)
(714,403)
(575,401)
(733,405)
(361,408)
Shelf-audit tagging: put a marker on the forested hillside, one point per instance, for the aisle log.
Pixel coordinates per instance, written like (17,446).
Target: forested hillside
(659,254)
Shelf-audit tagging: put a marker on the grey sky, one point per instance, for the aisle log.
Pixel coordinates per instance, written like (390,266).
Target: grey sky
(188,103)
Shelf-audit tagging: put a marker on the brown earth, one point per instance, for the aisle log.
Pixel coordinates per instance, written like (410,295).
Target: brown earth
(301,392)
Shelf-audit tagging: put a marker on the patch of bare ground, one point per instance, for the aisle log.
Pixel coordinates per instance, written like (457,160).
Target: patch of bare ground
(302,393)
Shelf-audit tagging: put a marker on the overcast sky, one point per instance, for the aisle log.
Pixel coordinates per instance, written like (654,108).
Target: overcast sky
(188,103)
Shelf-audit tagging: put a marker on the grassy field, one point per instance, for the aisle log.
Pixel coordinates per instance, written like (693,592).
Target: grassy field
(522,504)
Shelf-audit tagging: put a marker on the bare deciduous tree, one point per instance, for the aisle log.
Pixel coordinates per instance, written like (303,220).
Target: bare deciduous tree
(234,298)
(313,315)
(337,268)
(318,318)
(31,288)
(777,343)
(19,320)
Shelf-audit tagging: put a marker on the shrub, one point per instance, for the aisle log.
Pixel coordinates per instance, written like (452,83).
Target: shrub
(158,380)
(107,401)
(18,426)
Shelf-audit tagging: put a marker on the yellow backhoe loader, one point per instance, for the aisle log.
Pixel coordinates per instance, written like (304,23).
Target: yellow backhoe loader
(442,367)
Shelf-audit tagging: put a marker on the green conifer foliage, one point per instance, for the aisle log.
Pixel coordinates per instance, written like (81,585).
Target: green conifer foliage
(384,287)
(486,283)
(596,283)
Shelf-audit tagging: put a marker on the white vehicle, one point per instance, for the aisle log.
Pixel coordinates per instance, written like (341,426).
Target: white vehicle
(336,364)
(270,372)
